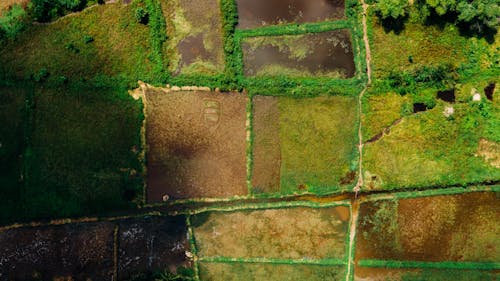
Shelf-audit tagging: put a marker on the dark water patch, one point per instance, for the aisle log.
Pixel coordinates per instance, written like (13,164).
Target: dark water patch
(419,107)
(322,54)
(191,49)
(448,95)
(255,13)
(489,90)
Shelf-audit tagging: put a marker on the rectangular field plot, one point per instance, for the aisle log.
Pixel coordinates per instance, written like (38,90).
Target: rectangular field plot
(384,274)
(196,144)
(295,233)
(76,252)
(458,228)
(411,142)
(194,36)
(12,118)
(304,145)
(326,54)
(269,272)
(256,13)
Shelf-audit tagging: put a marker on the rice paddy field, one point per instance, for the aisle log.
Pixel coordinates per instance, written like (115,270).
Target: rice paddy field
(246,140)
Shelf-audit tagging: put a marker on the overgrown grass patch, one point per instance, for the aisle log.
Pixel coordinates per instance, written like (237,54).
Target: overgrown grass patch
(120,49)
(428,148)
(271,272)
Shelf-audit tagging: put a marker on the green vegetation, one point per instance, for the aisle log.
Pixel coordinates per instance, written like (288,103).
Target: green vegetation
(66,55)
(12,22)
(182,274)
(317,139)
(271,272)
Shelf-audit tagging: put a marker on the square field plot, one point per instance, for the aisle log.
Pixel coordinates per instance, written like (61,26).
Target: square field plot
(294,233)
(269,272)
(256,13)
(458,228)
(326,54)
(151,244)
(304,144)
(196,144)
(194,36)
(412,142)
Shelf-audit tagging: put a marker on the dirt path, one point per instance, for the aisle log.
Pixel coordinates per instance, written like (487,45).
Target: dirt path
(352,237)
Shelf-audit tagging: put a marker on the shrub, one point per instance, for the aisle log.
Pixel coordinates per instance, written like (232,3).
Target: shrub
(88,39)
(13,22)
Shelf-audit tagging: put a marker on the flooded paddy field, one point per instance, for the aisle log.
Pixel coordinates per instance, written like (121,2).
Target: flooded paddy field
(256,13)
(416,140)
(196,144)
(326,54)
(86,251)
(294,233)
(195,36)
(12,118)
(271,272)
(303,144)
(384,274)
(439,228)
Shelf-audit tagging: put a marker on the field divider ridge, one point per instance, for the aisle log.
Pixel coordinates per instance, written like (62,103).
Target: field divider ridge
(325,262)
(435,265)
(194,250)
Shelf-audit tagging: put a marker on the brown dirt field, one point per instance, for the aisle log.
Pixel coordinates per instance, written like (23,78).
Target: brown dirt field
(440,228)
(6,4)
(196,144)
(78,251)
(266,152)
(152,244)
(293,233)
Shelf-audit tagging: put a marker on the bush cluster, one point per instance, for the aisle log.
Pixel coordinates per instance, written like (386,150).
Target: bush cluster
(48,10)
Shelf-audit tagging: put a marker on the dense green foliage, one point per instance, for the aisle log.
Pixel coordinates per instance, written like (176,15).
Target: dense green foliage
(47,10)
(157,31)
(12,22)
(392,8)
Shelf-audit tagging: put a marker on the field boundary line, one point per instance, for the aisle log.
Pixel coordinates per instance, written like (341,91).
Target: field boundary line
(294,29)
(325,262)
(352,240)
(266,206)
(428,193)
(423,264)
(249,143)
(194,250)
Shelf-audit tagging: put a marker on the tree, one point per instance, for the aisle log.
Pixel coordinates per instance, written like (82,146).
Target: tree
(479,13)
(392,8)
(442,6)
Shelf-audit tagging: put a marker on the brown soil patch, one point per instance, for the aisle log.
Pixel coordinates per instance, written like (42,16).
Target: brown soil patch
(490,151)
(440,228)
(266,151)
(196,144)
(79,251)
(152,244)
(294,233)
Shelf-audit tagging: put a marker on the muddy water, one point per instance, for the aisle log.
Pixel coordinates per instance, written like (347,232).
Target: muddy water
(318,54)
(255,13)
(192,48)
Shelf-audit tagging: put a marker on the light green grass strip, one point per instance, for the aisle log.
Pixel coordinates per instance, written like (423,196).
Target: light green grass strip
(194,251)
(436,265)
(273,261)
(430,192)
(272,205)
(293,29)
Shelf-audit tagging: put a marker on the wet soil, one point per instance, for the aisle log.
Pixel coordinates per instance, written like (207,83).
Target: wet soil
(79,251)
(255,13)
(191,49)
(196,145)
(266,152)
(440,228)
(152,244)
(321,54)
(293,233)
